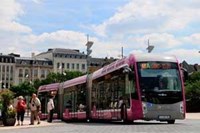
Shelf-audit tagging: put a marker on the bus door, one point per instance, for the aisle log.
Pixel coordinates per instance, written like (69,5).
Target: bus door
(43,98)
(115,98)
(100,101)
(74,113)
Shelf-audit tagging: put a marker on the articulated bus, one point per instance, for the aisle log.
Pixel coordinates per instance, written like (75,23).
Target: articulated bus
(44,92)
(146,87)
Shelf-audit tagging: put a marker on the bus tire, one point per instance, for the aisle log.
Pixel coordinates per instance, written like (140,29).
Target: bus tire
(171,121)
(124,113)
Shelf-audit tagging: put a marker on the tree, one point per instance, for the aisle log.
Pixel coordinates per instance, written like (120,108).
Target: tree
(24,89)
(193,92)
(61,77)
(8,112)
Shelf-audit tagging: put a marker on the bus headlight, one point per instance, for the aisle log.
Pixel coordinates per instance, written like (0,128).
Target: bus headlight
(181,108)
(144,106)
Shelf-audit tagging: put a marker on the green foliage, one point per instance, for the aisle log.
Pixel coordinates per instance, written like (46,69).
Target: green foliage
(6,97)
(24,89)
(1,106)
(193,92)
(11,113)
(58,77)
(193,78)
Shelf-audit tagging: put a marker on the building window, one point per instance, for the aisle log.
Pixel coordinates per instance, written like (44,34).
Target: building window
(3,68)
(7,68)
(35,73)
(83,66)
(26,73)
(11,69)
(47,72)
(58,65)
(20,73)
(72,65)
(77,66)
(42,73)
(63,65)
(68,66)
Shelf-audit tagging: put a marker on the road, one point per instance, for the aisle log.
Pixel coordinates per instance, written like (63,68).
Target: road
(181,126)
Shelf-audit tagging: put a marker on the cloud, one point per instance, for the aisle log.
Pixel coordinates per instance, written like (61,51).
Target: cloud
(10,11)
(193,39)
(164,23)
(159,40)
(150,16)
(37,1)
(189,55)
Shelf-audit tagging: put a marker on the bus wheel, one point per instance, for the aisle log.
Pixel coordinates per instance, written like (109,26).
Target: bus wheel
(171,121)
(124,113)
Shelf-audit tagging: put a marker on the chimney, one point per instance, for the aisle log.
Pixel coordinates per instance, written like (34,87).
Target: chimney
(33,54)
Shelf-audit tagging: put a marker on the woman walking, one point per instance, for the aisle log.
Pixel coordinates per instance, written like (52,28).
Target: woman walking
(21,107)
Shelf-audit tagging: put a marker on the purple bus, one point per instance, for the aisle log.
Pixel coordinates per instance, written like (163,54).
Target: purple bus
(137,87)
(44,92)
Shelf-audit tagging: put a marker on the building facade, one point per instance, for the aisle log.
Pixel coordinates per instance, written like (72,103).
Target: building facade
(15,69)
(30,69)
(65,59)
(7,68)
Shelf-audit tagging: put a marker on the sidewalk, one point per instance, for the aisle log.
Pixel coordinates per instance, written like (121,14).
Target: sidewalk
(193,116)
(27,122)
(55,122)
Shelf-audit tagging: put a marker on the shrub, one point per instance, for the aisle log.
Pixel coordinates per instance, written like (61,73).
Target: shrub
(6,97)
(193,93)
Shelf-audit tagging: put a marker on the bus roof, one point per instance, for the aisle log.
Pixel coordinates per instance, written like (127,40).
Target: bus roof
(154,57)
(75,81)
(49,87)
(110,68)
(136,57)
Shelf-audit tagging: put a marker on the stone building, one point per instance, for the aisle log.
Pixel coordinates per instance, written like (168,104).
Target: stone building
(65,59)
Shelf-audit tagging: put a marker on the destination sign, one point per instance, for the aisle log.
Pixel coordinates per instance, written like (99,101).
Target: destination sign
(155,65)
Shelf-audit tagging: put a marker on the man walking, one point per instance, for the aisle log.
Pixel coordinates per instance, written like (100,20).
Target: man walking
(35,106)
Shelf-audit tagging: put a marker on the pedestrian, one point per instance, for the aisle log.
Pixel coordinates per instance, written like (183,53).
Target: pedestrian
(21,107)
(50,109)
(35,107)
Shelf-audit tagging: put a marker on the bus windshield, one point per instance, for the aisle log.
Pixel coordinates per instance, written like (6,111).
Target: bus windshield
(159,76)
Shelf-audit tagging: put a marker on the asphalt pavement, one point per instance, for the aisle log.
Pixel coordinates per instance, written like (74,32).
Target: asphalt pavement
(57,122)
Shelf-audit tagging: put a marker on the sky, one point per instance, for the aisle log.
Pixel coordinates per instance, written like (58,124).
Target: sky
(171,26)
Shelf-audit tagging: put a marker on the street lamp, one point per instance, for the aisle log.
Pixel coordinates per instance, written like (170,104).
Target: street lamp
(89,51)
(150,47)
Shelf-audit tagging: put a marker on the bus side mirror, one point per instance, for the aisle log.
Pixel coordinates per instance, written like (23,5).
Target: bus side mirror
(130,73)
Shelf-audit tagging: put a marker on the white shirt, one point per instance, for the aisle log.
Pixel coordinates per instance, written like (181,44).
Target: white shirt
(50,105)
